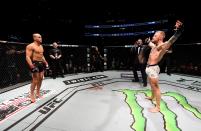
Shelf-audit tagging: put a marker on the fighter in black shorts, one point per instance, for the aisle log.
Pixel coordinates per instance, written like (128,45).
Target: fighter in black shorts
(39,66)
(36,62)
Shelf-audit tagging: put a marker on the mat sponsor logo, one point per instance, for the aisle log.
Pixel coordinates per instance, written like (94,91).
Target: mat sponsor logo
(84,79)
(194,88)
(169,117)
(49,106)
(12,106)
(183,80)
(194,85)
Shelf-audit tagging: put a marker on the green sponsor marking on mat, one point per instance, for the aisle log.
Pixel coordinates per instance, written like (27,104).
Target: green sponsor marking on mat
(184,103)
(170,122)
(136,110)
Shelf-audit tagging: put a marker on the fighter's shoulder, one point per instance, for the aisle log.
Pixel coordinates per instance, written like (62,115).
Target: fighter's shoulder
(30,46)
(151,44)
(163,45)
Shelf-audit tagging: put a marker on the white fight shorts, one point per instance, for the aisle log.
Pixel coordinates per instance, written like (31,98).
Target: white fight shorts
(153,71)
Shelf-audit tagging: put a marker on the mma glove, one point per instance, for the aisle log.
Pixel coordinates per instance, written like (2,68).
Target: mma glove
(34,68)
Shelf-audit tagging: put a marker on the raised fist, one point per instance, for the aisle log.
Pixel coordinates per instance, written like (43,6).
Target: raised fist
(147,40)
(178,24)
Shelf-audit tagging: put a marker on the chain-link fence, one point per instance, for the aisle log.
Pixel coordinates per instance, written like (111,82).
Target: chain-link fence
(79,58)
(14,68)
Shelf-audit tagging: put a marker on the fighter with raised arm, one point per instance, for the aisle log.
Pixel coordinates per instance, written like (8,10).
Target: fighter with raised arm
(158,49)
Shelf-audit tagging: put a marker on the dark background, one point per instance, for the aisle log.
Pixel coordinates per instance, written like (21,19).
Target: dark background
(64,21)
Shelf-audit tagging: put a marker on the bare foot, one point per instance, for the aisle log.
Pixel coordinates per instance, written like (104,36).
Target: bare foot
(154,110)
(39,96)
(149,98)
(32,99)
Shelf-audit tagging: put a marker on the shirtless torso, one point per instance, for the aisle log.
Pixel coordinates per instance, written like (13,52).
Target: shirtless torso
(37,64)
(156,54)
(158,49)
(34,52)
